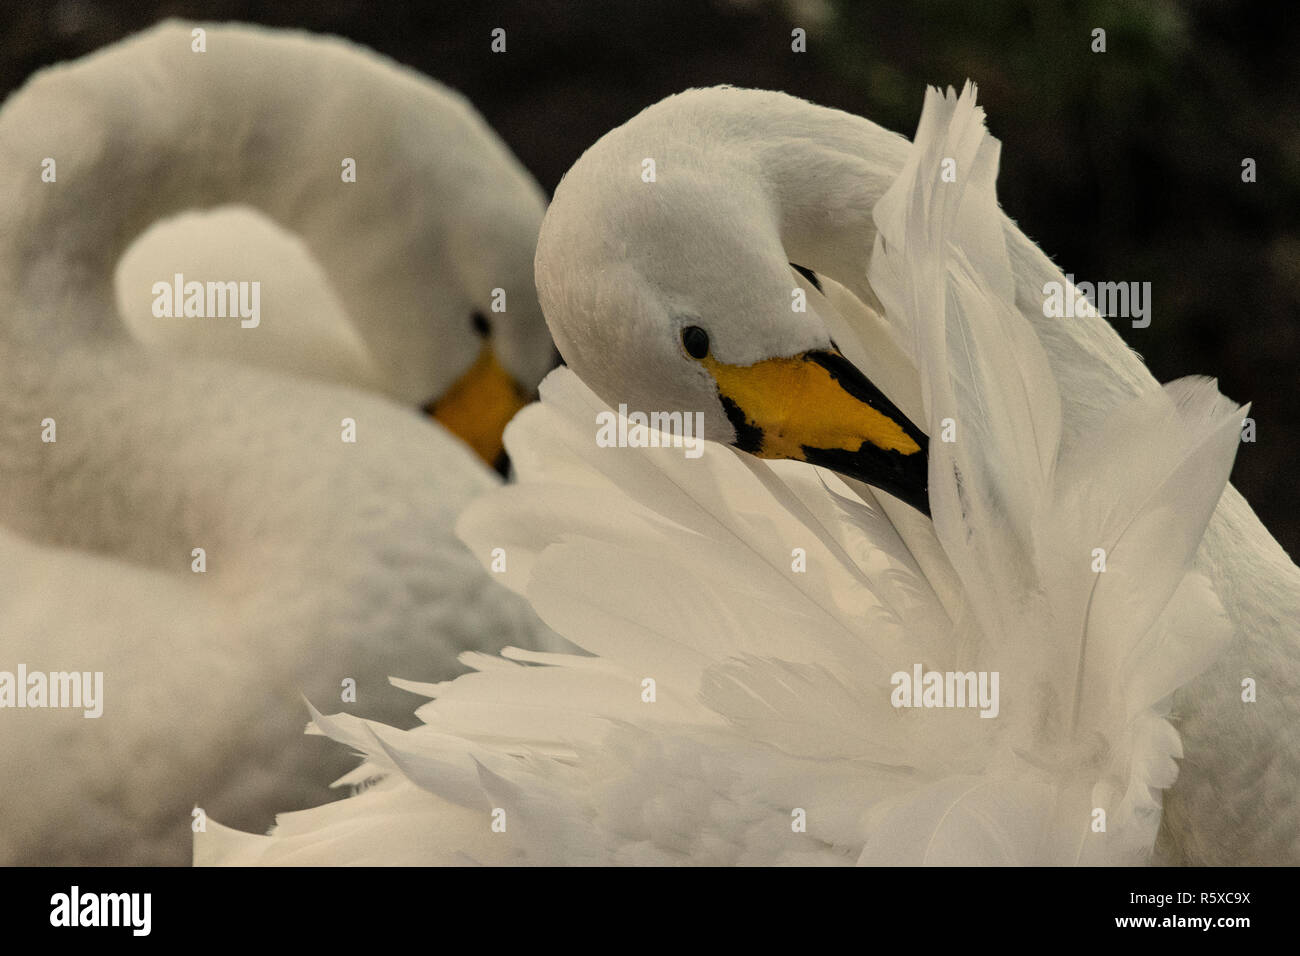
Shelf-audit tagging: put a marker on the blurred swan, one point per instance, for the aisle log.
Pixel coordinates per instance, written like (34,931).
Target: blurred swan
(325,562)
(750,621)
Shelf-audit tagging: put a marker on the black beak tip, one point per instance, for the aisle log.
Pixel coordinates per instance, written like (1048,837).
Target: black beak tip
(502,465)
(921,501)
(906,477)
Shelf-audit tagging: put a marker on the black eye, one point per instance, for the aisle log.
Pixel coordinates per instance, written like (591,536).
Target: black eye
(696,341)
(481,327)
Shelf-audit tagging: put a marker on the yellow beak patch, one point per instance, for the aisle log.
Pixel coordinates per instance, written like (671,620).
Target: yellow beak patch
(799,403)
(478,405)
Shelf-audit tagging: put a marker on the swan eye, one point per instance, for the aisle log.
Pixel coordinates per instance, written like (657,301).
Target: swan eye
(696,341)
(480,324)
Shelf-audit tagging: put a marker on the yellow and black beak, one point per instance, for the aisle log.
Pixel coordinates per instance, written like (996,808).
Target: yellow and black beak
(817,407)
(478,406)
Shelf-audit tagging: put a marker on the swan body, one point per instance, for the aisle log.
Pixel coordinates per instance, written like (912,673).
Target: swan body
(326,561)
(737,708)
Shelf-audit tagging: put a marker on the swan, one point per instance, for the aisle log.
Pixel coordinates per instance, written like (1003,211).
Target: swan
(184,514)
(737,708)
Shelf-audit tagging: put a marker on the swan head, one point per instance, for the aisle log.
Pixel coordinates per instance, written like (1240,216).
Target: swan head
(678,295)
(492,235)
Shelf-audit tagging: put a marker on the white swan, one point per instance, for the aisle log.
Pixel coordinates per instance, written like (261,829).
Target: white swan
(326,560)
(802,186)
(772,735)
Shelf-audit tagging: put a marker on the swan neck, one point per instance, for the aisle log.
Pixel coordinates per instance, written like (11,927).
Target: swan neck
(376,168)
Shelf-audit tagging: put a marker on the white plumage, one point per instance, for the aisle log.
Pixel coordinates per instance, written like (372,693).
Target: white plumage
(325,559)
(307,331)
(772,688)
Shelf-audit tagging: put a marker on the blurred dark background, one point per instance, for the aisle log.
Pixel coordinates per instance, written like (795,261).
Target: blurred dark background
(1124,165)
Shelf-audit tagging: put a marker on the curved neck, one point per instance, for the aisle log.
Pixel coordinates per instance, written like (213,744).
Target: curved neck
(822,170)
(149,127)
(826,171)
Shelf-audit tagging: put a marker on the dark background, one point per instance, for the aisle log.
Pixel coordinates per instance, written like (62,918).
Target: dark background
(1123,165)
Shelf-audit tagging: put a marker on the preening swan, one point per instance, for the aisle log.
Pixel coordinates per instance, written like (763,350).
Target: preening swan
(320,516)
(802,186)
(764,633)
